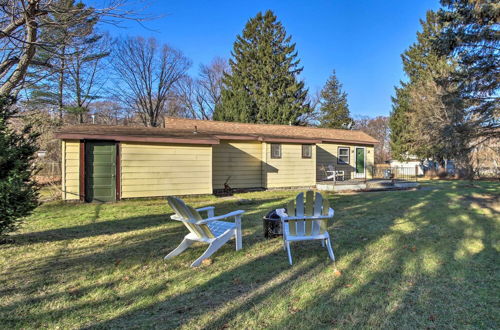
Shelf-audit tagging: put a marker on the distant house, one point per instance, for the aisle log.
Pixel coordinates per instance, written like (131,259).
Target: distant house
(199,156)
(411,162)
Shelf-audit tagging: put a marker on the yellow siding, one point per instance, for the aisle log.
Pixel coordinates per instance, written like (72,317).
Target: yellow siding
(327,155)
(71,169)
(291,170)
(149,170)
(239,160)
(370,161)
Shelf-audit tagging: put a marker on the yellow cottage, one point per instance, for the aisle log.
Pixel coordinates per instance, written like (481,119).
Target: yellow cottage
(188,156)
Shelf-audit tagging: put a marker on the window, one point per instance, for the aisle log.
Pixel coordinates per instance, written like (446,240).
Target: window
(343,156)
(307,151)
(275,150)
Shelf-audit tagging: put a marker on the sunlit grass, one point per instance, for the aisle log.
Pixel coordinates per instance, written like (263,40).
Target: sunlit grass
(405,259)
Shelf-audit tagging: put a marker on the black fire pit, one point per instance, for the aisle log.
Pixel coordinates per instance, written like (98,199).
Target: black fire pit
(272,225)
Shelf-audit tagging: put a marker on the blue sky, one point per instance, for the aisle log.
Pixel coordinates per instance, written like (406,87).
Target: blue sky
(361,40)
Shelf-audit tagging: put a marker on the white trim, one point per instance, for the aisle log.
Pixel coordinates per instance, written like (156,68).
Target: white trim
(341,162)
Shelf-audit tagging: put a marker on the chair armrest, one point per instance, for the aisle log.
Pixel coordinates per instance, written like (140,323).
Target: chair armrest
(178,218)
(209,209)
(206,208)
(220,217)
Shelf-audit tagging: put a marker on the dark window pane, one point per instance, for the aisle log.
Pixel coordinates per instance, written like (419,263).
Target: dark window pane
(275,150)
(306,151)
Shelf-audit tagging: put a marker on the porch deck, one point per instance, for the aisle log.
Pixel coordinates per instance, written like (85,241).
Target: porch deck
(362,184)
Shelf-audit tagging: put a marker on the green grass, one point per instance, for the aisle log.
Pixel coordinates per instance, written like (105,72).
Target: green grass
(405,259)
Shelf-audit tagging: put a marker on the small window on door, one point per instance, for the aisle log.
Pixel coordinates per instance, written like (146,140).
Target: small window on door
(306,151)
(275,150)
(343,155)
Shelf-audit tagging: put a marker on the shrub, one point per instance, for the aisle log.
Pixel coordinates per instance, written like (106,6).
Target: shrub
(18,191)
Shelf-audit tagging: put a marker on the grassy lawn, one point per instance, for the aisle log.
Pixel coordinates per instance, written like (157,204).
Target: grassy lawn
(405,259)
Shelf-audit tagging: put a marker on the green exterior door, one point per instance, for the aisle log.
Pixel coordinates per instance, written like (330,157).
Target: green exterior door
(100,171)
(360,162)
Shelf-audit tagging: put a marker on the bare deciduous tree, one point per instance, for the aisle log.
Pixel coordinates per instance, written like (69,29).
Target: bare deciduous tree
(107,112)
(200,96)
(20,24)
(147,74)
(378,128)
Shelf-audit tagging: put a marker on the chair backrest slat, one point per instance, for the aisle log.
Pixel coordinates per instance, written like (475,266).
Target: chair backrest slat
(308,210)
(314,205)
(308,230)
(291,212)
(188,216)
(326,209)
(318,204)
(290,209)
(299,205)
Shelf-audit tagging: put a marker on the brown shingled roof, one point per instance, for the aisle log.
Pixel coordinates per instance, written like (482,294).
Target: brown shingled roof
(269,131)
(180,130)
(130,133)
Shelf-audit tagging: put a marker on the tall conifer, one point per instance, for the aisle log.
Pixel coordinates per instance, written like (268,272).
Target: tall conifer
(471,32)
(422,65)
(263,85)
(334,110)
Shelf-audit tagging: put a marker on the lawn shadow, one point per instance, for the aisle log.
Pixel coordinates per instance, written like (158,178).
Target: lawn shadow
(237,297)
(241,283)
(419,292)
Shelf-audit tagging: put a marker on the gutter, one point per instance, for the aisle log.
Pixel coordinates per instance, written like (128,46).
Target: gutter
(129,138)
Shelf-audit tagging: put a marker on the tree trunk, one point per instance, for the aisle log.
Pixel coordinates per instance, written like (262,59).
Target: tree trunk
(28,53)
(60,98)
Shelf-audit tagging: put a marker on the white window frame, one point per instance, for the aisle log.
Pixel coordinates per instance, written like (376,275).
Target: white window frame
(339,160)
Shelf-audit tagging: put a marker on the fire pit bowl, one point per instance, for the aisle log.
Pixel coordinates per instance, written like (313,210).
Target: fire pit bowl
(272,225)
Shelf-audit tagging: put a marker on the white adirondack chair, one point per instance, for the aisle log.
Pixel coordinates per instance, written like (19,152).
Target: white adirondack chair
(333,174)
(209,230)
(306,221)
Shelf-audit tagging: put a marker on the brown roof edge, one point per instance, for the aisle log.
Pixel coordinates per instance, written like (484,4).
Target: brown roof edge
(288,140)
(350,141)
(237,137)
(128,138)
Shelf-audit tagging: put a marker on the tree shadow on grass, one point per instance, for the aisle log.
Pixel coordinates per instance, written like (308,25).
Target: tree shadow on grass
(424,282)
(240,284)
(95,228)
(259,279)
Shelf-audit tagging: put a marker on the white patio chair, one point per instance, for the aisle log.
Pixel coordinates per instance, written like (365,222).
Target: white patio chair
(306,221)
(209,230)
(333,174)
(336,175)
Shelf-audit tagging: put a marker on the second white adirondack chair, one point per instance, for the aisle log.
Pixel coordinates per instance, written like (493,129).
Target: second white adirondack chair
(209,230)
(306,221)
(332,173)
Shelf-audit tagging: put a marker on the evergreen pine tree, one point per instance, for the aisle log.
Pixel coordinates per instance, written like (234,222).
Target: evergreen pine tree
(421,65)
(398,124)
(18,192)
(334,110)
(429,116)
(263,85)
(471,31)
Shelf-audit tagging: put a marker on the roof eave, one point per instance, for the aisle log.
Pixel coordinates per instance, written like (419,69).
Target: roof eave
(288,140)
(131,138)
(359,142)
